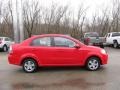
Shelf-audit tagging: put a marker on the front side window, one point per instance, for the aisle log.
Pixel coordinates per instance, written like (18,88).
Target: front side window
(63,42)
(44,41)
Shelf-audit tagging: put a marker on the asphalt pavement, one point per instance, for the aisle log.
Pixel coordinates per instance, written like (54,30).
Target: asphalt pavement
(62,78)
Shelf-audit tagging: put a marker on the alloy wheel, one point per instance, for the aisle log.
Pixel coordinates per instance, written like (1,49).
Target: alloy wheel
(29,66)
(93,64)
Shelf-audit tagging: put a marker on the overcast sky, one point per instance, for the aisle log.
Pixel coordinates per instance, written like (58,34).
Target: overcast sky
(92,5)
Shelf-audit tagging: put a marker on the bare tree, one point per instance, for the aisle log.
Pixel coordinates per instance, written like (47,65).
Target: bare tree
(115,16)
(60,19)
(31,13)
(79,22)
(49,17)
(6,20)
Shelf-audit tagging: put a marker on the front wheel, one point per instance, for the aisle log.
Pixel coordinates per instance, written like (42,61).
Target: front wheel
(115,44)
(93,64)
(29,65)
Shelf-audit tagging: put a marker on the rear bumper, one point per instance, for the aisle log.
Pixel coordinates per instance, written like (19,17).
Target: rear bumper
(97,43)
(101,45)
(13,60)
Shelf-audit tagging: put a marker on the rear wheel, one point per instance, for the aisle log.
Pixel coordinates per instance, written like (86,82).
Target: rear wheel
(5,48)
(29,65)
(93,64)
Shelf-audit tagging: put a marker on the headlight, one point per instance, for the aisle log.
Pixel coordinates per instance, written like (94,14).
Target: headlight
(103,51)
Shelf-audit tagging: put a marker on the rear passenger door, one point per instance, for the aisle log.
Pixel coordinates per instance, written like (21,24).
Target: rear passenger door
(43,50)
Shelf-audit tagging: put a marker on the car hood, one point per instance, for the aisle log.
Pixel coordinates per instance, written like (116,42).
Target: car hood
(94,48)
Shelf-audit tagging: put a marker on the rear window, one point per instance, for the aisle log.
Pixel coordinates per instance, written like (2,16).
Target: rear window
(115,34)
(91,35)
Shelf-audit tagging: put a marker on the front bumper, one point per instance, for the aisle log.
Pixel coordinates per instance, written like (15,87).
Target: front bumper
(104,59)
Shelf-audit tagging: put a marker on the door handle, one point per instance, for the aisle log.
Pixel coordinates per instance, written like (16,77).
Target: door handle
(33,49)
(59,50)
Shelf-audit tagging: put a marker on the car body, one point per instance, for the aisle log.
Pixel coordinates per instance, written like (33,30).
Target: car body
(55,50)
(93,38)
(5,43)
(113,39)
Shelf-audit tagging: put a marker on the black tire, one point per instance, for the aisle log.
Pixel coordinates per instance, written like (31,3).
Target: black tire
(115,44)
(5,48)
(93,66)
(102,46)
(30,68)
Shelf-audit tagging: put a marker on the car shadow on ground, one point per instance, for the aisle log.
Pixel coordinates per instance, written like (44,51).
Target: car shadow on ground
(62,69)
(112,47)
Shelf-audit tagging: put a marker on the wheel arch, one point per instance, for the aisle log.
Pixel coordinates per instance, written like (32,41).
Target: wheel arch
(114,40)
(29,57)
(91,57)
(5,45)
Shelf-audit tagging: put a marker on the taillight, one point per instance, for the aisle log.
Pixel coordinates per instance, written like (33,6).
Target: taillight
(10,50)
(87,41)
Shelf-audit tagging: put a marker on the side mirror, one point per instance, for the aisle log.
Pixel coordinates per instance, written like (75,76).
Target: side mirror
(77,46)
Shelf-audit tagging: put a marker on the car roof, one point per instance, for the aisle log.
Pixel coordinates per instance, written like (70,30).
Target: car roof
(52,35)
(4,37)
(91,33)
(114,32)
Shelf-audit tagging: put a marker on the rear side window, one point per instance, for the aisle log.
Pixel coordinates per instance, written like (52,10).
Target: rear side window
(44,41)
(115,34)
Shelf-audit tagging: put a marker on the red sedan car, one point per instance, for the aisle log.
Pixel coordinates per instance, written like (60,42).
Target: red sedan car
(55,50)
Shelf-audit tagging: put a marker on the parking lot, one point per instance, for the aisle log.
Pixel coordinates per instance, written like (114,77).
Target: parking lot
(62,78)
